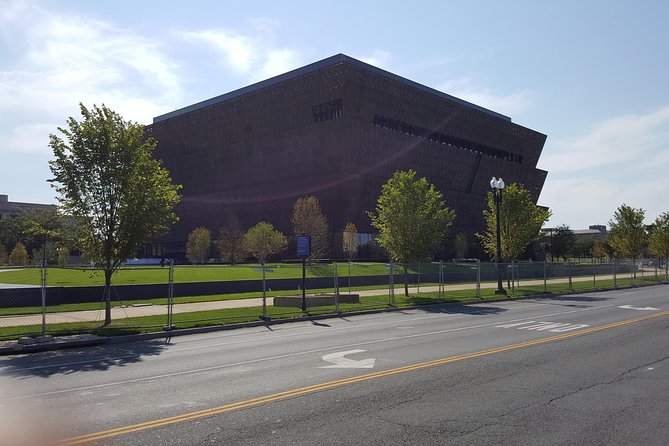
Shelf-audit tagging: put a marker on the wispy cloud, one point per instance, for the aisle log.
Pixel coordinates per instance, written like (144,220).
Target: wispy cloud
(378,58)
(615,141)
(251,55)
(66,59)
(471,91)
(581,182)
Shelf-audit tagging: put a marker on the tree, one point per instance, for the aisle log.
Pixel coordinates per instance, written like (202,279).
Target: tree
(309,219)
(599,250)
(350,241)
(3,254)
(19,255)
(411,218)
(520,222)
(119,196)
(198,245)
(63,254)
(231,243)
(628,234)
(583,247)
(461,245)
(350,246)
(263,240)
(658,241)
(564,242)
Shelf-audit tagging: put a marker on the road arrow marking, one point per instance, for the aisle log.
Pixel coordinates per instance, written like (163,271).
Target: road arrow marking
(339,362)
(630,307)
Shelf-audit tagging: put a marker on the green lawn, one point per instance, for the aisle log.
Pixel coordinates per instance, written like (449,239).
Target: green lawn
(182,274)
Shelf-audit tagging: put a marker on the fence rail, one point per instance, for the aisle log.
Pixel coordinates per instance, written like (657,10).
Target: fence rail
(38,301)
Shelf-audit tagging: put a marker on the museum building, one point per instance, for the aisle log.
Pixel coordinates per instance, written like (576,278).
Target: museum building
(336,129)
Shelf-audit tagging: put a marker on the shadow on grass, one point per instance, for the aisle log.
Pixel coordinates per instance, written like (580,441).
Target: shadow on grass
(92,359)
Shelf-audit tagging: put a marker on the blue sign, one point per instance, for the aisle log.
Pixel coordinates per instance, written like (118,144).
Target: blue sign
(303,245)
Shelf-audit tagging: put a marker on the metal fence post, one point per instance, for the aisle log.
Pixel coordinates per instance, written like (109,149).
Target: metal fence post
(170,295)
(594,273)
(349,276)
(513,277)
(478,278)
(441,280)
(418,292)
(571,285)
(545,282)
(336,286)
(391,289)
(264,294)
(43,299)
(615,282)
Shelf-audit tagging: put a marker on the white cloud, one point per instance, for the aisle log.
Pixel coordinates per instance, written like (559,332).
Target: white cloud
(615,141)
(279,61)
(621,160)
(61,60)
(378,58)
(467,89)
(254,57)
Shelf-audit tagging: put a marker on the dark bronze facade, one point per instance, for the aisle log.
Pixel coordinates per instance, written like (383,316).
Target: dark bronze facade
(336,129)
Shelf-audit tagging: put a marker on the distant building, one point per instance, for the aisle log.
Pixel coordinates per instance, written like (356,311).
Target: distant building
(13,208)
(593,231)
(336,129)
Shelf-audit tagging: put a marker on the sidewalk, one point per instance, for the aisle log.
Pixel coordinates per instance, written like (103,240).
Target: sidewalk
(123,312)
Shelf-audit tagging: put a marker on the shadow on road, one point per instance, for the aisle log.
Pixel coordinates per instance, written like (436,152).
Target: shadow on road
(79,360)
(477,310)
(575,300)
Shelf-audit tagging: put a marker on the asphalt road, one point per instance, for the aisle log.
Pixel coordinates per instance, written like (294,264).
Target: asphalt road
(582,369)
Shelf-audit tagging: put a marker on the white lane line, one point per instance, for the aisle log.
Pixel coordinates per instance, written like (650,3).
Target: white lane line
(287,355)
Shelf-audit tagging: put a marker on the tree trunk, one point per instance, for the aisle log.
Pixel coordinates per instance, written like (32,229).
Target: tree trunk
(406,281)
(107,296)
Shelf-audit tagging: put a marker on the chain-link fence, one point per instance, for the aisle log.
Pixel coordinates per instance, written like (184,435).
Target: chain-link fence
(38,301)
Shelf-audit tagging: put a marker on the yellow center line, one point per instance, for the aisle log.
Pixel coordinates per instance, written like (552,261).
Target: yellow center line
(338,383)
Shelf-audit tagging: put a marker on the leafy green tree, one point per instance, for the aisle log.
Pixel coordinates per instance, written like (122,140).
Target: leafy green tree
(350,246)
(583,247)
(263,241)
(118,195)
(19,255)
(411,218)
(3,254)
(461,245)
(231,243)
(658,241)
(198,245)
(308,219)
(564,242)
(11,231)
(520,222)
(63,254)
(599,250)
(350,241)
(627,236)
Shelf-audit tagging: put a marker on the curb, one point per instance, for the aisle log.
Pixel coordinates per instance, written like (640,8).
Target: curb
(88,340)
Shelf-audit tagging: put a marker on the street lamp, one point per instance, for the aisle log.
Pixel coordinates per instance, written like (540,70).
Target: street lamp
(497,188)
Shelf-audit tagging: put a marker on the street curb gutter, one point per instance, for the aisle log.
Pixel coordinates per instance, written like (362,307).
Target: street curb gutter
(70,342)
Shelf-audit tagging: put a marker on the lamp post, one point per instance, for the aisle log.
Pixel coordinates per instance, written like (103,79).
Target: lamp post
(497,188)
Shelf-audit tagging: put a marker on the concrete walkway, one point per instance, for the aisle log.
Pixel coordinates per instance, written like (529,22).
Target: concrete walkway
(123,312)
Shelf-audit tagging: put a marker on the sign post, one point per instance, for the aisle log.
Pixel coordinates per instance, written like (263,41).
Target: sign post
(304,251)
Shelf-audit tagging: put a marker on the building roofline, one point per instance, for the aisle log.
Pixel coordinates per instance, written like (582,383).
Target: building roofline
(330,61)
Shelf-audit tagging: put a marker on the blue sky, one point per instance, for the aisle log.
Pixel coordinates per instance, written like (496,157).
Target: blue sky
(591,75)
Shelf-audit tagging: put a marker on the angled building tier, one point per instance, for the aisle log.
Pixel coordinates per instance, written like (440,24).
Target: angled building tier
(336,129)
